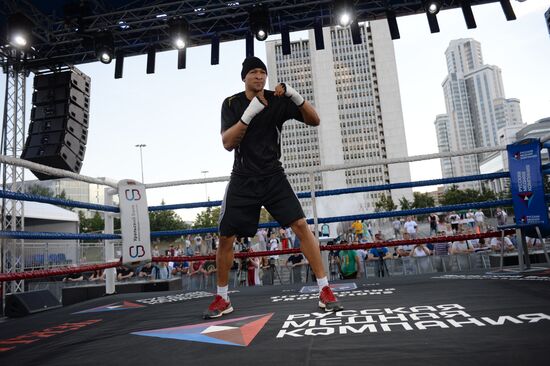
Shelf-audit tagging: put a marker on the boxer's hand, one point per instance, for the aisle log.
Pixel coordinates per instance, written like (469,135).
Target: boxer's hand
(288,91)
(255,107)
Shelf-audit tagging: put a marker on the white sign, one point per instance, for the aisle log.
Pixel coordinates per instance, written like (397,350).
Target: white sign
(134,221)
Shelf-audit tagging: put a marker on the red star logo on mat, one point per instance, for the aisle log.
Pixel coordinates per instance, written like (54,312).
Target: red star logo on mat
(526,197)
(125,305)
(231,332)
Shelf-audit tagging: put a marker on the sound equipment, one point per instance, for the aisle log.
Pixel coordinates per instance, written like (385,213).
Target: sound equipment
(25,303)
(59,121)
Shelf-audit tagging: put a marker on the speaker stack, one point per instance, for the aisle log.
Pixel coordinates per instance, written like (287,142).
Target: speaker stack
(25,303)
(59,121)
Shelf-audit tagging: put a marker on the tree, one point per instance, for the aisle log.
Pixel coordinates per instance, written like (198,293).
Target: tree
(384,203)
(39,190)
(207,218)
(405,203)
(93,225)
(422,200)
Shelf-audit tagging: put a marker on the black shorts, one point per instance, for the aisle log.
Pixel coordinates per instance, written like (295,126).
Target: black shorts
(245,196)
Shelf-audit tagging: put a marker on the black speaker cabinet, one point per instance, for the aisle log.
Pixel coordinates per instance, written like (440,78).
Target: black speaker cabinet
(59,121)
(25,303)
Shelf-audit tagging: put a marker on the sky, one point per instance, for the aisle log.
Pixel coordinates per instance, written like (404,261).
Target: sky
(176,113)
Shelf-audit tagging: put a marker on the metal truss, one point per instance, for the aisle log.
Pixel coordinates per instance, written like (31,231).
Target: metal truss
(64,36)
(13,140)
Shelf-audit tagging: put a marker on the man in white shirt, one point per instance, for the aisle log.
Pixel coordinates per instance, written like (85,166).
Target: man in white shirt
(497,244)
(480,220)
(410,227)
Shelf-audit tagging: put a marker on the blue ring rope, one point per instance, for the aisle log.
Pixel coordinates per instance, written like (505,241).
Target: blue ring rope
(56,201)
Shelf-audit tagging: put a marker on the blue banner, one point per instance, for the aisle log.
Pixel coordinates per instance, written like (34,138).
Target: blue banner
(526,179)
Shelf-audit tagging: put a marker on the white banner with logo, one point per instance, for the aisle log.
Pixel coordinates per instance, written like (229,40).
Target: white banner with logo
(134,221)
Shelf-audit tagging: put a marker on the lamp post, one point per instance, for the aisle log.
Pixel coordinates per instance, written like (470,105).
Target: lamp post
(141,146)
(205,184)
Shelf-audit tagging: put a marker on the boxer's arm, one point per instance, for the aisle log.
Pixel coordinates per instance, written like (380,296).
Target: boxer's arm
(311,118)
(309,114)
(232,137)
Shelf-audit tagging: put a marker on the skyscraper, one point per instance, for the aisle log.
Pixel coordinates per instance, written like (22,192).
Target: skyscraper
(476,108)
(356,93)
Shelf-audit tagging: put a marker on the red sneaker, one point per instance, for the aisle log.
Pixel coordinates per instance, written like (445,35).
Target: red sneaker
(217,308)
(328,301)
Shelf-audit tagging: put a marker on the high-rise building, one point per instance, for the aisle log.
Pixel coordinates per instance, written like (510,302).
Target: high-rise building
(442,132)
(355,90)
(476,108)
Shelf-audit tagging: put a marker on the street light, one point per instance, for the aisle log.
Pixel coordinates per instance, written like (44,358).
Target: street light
(141,160)
(205,184)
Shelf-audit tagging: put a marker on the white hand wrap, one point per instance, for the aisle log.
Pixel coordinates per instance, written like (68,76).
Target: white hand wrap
(255,107)
(293,95)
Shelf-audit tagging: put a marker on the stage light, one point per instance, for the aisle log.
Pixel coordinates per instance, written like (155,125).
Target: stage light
(179,33)
(318,30)
(468,15)
(344,12)
(355,33)
(392,24)
(258,19)
(432,6)
(151,55)
(508,10)
(249,45)
(285,39)
(19,29)
(215,50)
(104,47)
(119,64)
(432,22)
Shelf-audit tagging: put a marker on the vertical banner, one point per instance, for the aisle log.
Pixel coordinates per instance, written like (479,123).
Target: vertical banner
(526,183)
(134,221)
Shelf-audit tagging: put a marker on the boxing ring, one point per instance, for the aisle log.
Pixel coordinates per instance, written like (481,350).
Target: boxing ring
(478,316)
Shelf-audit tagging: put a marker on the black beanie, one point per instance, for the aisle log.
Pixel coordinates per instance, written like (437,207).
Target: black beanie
(251,63)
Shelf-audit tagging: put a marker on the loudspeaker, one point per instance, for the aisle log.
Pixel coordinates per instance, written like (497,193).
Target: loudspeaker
(59,121)
(25,303)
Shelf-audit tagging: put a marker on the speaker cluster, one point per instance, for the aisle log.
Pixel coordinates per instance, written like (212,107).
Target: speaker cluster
(59,121)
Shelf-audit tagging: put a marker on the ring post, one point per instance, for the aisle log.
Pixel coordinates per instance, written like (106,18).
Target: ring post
(110,273)
(324,255)
(526,185)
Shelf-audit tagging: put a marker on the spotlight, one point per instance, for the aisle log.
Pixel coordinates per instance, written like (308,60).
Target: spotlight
(319,40)
(432,6)
(19,31)
(179,33)
(344,12)
(508,10)
(392,24)
(104,47)
(285,39)
(259,22)
(468,15)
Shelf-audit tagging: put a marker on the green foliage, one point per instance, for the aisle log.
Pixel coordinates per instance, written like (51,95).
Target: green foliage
(422,200)
(93,225)
(384,203)
(454,196)
(40,191)
(207,218)
(405,204)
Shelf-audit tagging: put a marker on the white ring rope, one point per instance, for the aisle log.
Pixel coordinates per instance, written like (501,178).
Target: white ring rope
(55,171)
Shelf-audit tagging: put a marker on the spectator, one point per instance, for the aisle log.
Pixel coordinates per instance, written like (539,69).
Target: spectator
(396,225)
(377,256)
(296,261)
(97,275)
(422,257)
(253,270)
(502,216)
(209,241)
(146,270)
(454,219)
(188,250)
(433,219)
(74,277)
(405,249)
(180,267)
(411,227)
(357,227)
(325,230)
(497,244)
(470,219)
(161,271)
(348,263)
(210,270)
(480,220)
(441,253)
(124,273)
(155,252)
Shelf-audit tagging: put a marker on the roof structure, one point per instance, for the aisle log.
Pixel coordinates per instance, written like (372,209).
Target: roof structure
(63,29)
